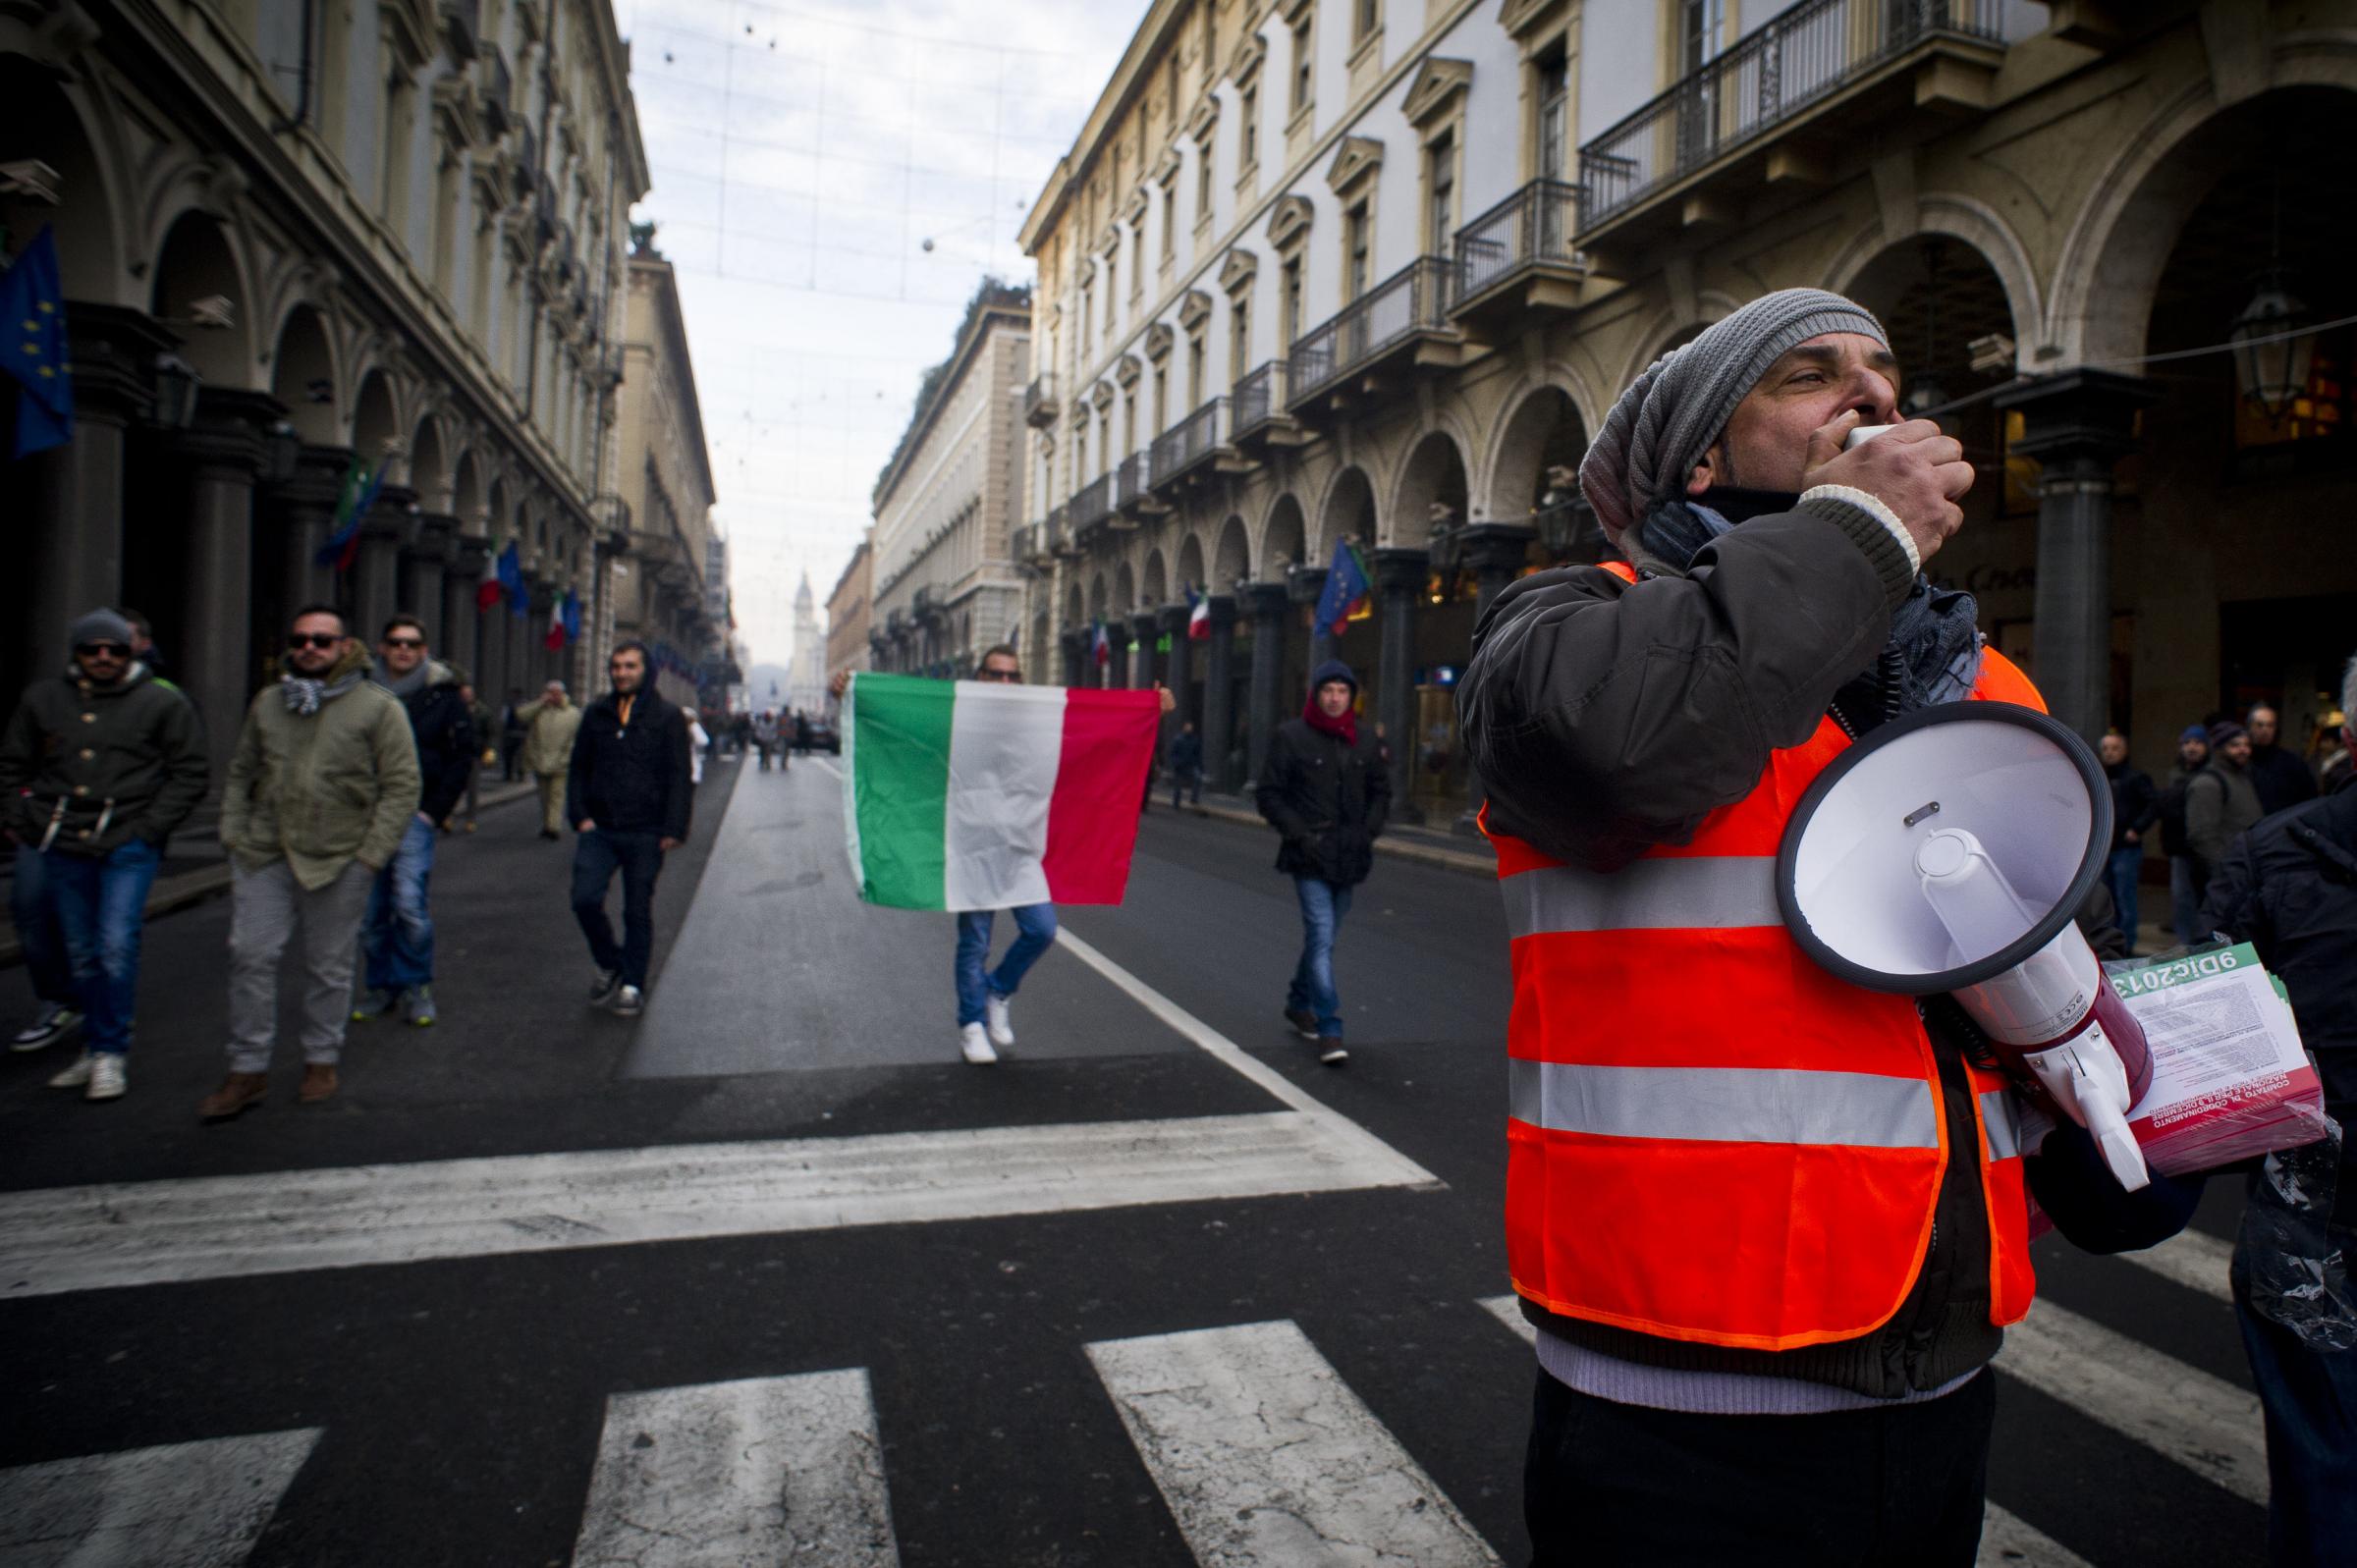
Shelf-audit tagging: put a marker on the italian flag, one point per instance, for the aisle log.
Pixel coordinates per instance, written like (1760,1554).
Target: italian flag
(973,794)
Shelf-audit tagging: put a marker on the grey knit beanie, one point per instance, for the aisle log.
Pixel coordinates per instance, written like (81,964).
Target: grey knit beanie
(99,625)
(1670,414)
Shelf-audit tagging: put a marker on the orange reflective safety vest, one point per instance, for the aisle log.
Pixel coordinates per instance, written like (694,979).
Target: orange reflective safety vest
(1711,1138)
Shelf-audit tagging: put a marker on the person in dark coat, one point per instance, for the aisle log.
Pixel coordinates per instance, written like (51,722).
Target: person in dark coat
(2184,866)
(2135,807)
(2220,803)
(2282,781)
(629,796)
(397,934)
(1187,764)
(1327,793)
(2289,886)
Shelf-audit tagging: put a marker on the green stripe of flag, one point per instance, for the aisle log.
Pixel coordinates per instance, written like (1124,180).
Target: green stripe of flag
(900,779)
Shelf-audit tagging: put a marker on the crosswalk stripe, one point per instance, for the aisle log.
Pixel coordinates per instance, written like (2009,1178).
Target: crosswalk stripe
(2202,1422)
(1265,1457)
(2008,1542)
(88,1238)
(767,1470)
(182,1505)
(2192,1259)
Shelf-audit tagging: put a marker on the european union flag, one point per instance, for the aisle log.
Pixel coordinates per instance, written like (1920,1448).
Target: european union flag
(511,577)
(33,347)
(1344,596)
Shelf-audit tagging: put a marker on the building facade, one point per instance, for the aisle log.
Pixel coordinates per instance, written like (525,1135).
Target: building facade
(293,236)
(1321,271)
(848,623)
(948,504)
(666,567)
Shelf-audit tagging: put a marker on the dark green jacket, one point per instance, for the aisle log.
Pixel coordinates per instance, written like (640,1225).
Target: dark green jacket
(125,760)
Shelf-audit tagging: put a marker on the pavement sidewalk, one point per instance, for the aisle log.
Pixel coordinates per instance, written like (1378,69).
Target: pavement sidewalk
(198,869)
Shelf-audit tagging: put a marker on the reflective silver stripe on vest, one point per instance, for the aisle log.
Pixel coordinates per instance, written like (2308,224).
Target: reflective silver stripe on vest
(2001,1124)
(1731,1105)
(1712,893)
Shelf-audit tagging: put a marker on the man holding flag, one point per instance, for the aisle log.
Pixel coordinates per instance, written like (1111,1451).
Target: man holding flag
(986,795)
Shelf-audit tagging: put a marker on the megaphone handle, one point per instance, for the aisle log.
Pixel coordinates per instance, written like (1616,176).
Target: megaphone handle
(2110,1126)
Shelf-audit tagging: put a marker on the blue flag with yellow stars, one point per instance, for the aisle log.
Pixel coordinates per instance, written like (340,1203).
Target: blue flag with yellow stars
(33,349)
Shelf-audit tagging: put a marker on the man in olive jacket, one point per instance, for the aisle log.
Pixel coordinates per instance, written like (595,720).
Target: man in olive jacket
(96,769)
(321,787)
(1326,792)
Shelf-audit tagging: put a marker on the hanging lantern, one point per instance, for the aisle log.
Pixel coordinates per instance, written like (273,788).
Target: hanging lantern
(175,385)
(2271,354)
(282,449)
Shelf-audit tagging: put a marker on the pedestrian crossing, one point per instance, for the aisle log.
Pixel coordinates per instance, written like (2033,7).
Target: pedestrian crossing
(1260,1450)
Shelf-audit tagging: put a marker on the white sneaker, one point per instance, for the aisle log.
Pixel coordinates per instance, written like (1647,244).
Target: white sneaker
(74,1076)
(993,1011)
(976,1045)
(108,1080)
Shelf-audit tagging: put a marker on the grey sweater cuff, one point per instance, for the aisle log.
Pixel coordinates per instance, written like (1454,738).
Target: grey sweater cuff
(1884,547)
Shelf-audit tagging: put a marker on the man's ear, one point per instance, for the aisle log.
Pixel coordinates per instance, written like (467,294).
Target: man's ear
(1706,472)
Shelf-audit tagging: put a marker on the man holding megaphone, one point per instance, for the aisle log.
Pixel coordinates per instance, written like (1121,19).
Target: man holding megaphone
(1769,1222)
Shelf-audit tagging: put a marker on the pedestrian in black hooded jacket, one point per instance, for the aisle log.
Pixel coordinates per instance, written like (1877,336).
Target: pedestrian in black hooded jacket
(629,794)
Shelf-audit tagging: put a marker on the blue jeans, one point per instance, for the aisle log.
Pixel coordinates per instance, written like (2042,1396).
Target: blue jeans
(639,856)
(1323,905)
(102,906)
(2119,874)
(2310,1398)
(1035,932)
(38,934)
(397,934)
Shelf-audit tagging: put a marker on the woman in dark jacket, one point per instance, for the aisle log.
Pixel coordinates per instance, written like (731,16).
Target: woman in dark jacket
(1326,792)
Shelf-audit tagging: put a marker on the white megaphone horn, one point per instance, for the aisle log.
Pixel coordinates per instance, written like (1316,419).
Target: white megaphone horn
(1950,851)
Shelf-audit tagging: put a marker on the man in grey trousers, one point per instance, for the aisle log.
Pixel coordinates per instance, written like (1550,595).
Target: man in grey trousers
(323,787)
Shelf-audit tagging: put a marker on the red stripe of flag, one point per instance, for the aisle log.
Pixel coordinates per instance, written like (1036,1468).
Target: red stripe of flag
(1100,778)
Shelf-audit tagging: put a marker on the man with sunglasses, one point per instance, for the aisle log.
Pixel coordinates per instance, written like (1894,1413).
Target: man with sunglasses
(97,769)
(321,789)
(397,936)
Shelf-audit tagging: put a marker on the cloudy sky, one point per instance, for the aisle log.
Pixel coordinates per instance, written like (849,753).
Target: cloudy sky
(831,177)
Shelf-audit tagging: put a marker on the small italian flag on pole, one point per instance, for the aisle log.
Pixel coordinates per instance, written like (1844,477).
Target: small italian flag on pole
(972,794)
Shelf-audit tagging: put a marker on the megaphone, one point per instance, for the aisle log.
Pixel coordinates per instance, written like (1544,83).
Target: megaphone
(1950,851)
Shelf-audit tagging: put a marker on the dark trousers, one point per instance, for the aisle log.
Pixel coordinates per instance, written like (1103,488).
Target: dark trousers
(1606,1484)
(42,939)
(639,856)
(2310,1398)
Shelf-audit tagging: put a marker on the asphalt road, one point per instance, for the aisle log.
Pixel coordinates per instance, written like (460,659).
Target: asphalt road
(1158,1290)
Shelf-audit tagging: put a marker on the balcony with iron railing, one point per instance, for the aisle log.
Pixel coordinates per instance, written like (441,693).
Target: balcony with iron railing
(1256,403)
(926,602)
(1181,448)
(1133,490)
(1022,545)
(1518,256)
(1039,400)
(1392,321)
(1091,505)
(1748,119)
(1059,530)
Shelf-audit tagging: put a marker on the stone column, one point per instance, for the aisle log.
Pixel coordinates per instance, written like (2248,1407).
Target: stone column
(1305,585)
(1400,576)
(1116,674)
(225,451)
(1073,645)
(1218,700)
(307,501)
(1268,604)
(424,559)
(1179,672)
(462,631)
(376,571)
(74,546)
(1141,667)
(1494,552)
(2079,425)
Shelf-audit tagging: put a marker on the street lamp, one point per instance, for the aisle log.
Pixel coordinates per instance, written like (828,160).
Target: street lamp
(1563,512)
(2272,353)
(176,384)
(282,448)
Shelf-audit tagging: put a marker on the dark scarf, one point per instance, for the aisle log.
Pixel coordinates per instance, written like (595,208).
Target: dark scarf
(1346,728)
(1934,654)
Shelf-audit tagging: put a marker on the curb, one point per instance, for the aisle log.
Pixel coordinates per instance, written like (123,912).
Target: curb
(179,892)
(1456,860)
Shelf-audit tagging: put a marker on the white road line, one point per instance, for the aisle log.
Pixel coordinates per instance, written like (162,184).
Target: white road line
(183,1506)
(828,767)
(2008,1542)
(769,1470)
(2192,1259)
(101,1237)
(1267,1458)
(1333,1124)
(2204,1423)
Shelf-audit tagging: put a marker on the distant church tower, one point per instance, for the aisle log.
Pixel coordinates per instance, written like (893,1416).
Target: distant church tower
(806,675)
